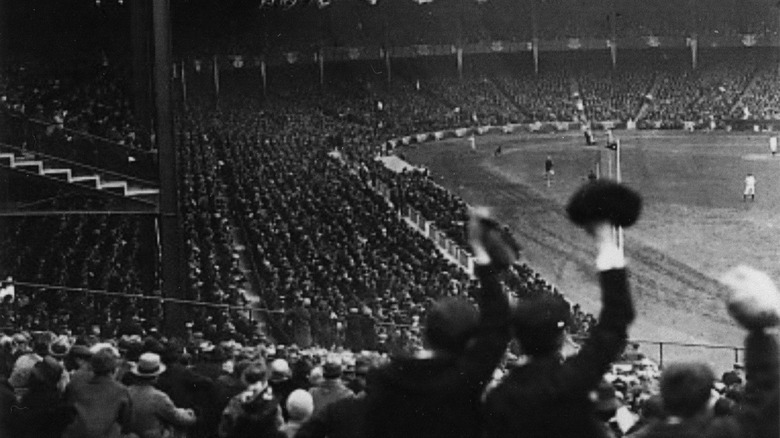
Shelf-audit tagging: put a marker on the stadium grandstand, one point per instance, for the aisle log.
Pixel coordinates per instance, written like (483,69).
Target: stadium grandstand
(389,218)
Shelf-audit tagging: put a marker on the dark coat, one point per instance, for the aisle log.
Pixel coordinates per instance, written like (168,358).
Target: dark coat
(341,419)
(7,400)
(548,398)
(188,389)
(42,413)
(441,396)
(102,405)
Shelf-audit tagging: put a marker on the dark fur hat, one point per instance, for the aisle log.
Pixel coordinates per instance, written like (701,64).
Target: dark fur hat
(604,200)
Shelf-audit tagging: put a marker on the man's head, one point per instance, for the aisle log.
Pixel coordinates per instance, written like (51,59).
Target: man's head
(103,362)
(686,388)
(257,371)
(450,324)
(539,324)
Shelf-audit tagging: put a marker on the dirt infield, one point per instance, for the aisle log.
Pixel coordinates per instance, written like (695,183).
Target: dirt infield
(695,224)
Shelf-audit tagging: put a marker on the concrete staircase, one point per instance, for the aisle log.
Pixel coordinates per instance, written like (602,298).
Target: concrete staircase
(73,173)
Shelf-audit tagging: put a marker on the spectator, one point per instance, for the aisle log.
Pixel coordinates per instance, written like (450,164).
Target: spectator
(79,359)
(650,411)
(332,387)
(254,412)
(550,397)
(438,392)
(345,418)
(154,414)
(299,406)
(281,382)
(42,413)
(102,405)
(188,389)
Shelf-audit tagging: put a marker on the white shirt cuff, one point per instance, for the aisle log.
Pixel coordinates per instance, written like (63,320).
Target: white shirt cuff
(610,257)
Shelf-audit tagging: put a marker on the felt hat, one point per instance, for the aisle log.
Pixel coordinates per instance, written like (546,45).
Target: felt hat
(104,361)
(280,370)
(81,351)
(604,200)
(538,323)
(300,405)
(450,324)
(332,369)
(149,365)
(60,347)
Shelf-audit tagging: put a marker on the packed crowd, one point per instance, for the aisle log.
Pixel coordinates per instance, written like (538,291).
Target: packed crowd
(139,383)
(82,96)
(105,253)
(214,146)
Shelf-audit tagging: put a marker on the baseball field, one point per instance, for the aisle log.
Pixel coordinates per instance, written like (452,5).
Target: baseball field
(695,224)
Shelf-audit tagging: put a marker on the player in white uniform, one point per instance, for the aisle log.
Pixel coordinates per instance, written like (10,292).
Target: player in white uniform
(473,143)
(773,145)
(750,187)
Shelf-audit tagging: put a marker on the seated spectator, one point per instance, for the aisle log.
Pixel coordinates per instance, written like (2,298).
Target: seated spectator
(154,414)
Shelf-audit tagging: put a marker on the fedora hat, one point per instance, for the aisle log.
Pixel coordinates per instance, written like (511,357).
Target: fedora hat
(148,365)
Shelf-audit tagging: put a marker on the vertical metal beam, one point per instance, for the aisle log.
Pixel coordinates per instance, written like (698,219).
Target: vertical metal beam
(169,215)
(140,35)
(3,34)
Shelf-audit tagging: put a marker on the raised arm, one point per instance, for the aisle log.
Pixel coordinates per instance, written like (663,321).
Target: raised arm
(494,250)
(607,339)
(754,302)
(598,208)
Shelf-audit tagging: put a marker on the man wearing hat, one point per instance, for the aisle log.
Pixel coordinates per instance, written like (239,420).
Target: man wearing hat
(281,382)
(332,387)
(58,350)
(549,396)
(102,405)
(78,360)
(153,411)
(438,392)
(189,389)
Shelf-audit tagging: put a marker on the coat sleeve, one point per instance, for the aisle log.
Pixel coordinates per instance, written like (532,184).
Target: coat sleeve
(488,345)
(125,415)
(170,414)
(762,387)
(228,421)
(607,339)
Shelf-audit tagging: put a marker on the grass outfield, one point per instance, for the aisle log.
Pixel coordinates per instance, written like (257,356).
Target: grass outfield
(695,224)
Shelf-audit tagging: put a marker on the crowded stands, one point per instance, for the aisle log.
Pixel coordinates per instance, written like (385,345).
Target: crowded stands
(315,310)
